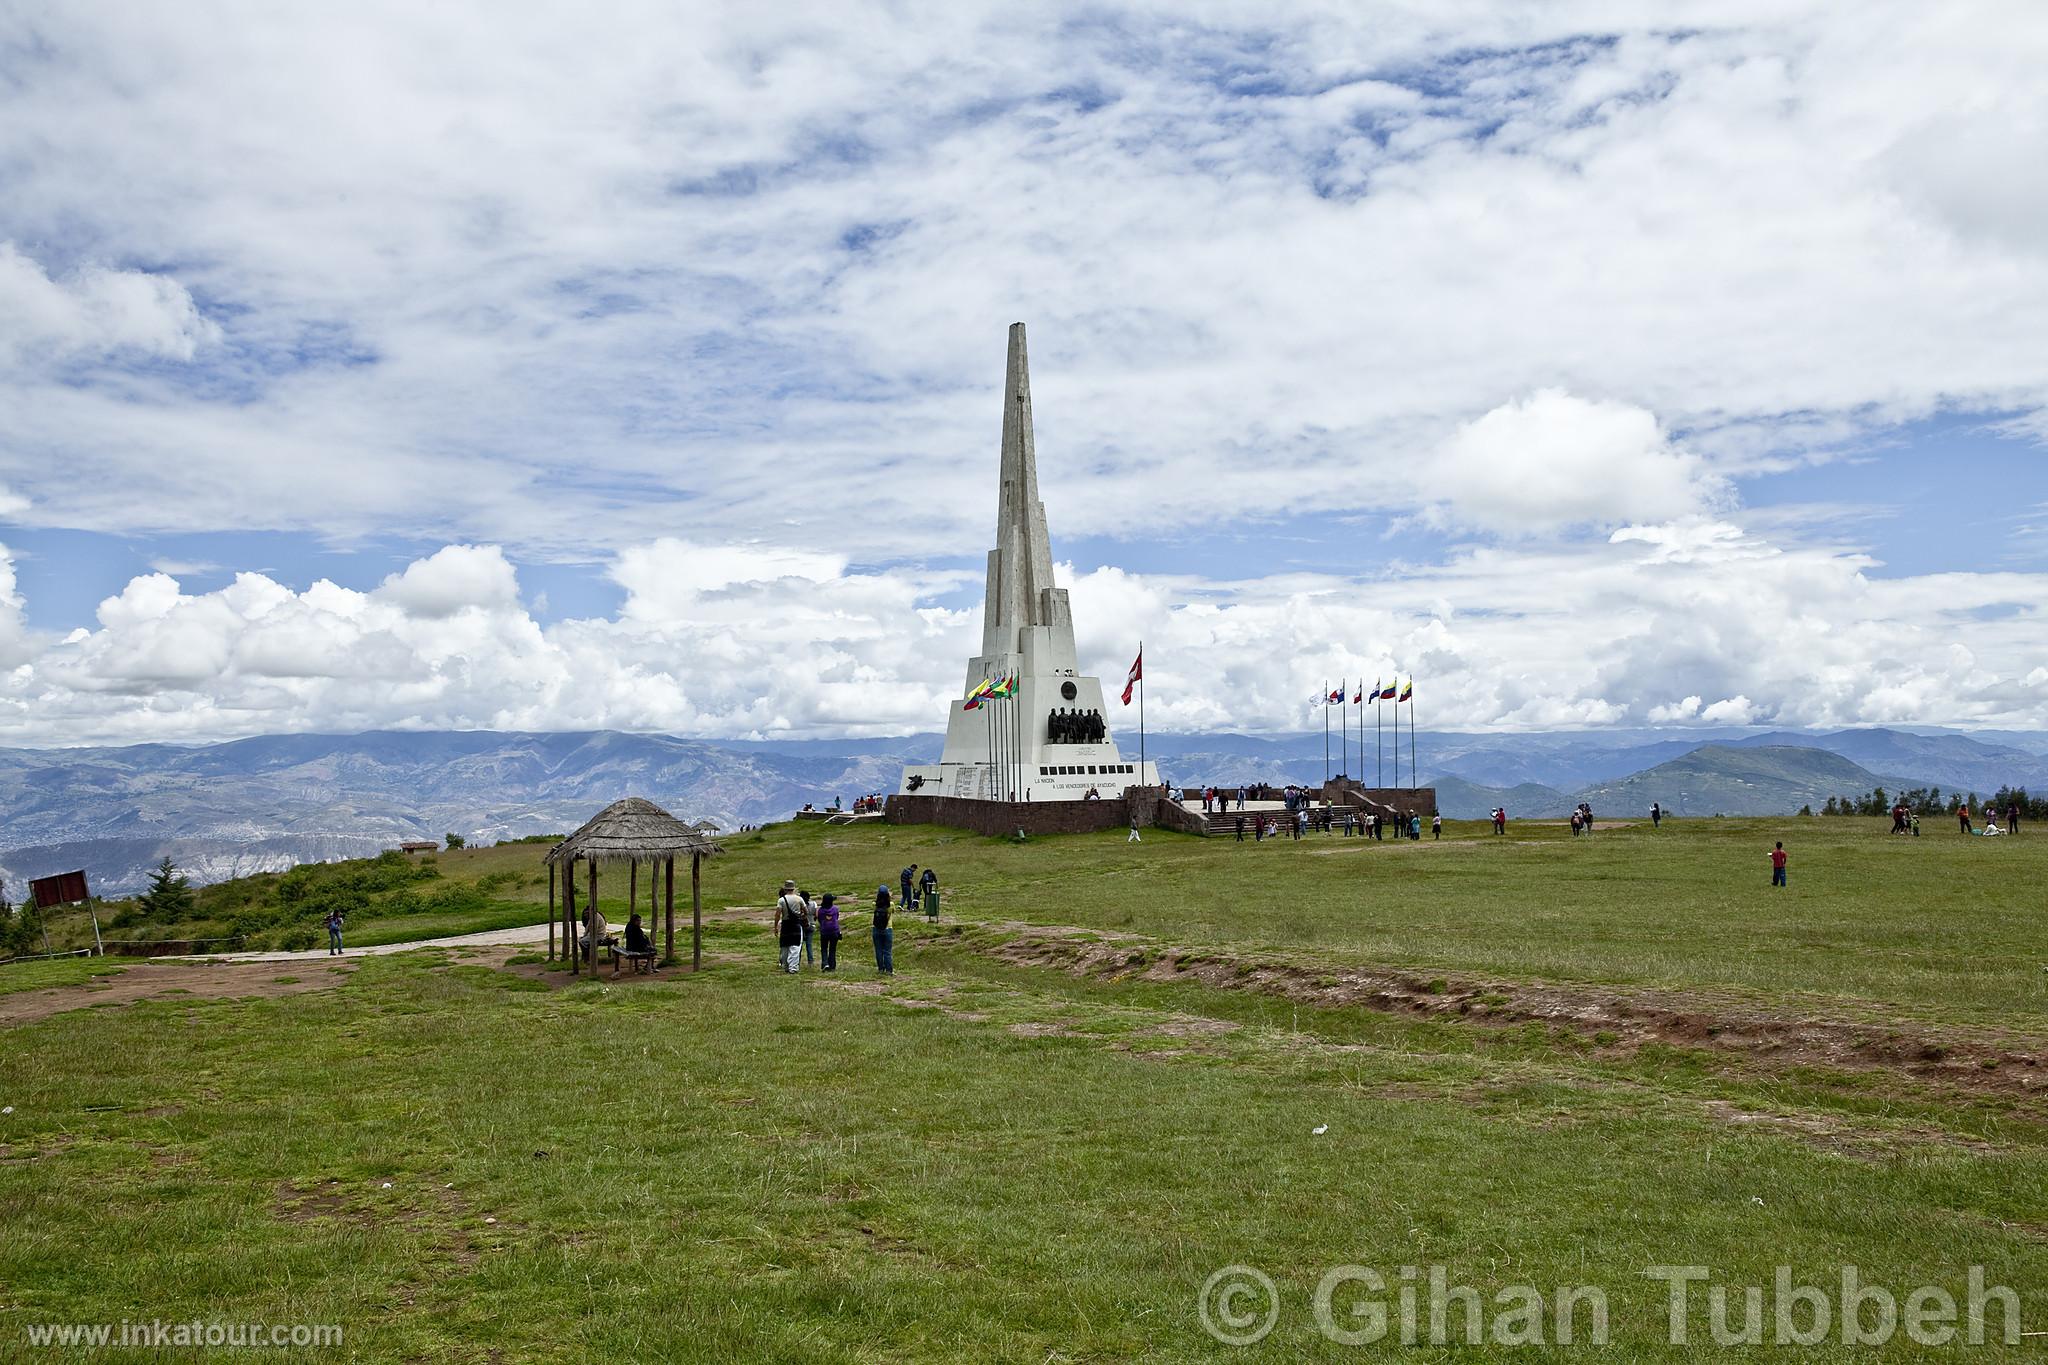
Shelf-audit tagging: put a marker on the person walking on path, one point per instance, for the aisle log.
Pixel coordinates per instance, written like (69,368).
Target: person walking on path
(1240,827)
(1436,825)
(1778,864)
(334,922)
(810,929)
(1963,817)
(789,927)
(929,885)
(828,931)
(885,937)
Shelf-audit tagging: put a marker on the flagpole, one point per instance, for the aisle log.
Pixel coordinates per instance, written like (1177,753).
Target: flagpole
(988,732)
(1141,713)
(1379,743)
(1413,783)
(1325,694)
(1397,737)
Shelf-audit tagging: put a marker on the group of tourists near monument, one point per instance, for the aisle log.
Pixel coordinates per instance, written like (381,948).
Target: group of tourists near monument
(809,932)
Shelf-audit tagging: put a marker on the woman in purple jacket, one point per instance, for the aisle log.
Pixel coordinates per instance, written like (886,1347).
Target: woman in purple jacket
(828,931)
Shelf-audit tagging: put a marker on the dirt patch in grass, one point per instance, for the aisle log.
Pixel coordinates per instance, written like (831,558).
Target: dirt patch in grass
(1831,1134)
(437,1209)
(1977,1062)
(158,980)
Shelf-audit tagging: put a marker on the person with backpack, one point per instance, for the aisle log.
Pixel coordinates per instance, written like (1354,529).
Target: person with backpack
(828,932)
(789,928)
(334,922)
(928,888)
(885,937)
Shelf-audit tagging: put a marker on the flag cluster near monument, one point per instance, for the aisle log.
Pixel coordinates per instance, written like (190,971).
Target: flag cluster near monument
(1030,726)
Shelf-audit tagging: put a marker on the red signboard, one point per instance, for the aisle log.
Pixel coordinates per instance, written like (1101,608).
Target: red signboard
(66,888)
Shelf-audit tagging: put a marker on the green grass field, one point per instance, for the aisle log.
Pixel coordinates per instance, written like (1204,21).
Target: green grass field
(994,1157)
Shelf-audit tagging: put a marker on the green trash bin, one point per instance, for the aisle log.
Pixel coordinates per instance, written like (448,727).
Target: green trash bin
(931,905)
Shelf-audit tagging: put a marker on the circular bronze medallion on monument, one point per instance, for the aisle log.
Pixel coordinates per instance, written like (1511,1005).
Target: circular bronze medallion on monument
(1069,691)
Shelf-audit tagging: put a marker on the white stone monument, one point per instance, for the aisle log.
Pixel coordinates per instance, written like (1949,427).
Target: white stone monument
(1043,742)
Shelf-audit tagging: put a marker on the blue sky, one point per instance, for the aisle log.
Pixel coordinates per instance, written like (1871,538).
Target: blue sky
(464,368)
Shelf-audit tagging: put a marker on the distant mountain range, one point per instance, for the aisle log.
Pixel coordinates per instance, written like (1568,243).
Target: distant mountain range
(225,810)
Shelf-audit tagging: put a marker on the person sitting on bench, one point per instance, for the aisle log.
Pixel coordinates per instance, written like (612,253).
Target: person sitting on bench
(639,947)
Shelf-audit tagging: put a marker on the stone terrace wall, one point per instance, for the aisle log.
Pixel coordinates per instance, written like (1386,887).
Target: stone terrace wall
(1045,817)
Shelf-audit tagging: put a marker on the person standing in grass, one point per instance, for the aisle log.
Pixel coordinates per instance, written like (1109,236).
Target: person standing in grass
(334,922)
(2012,817)
(1963,817)
(1436,825)
(928,887)
(885,937)
(1778,864)
(1240,827)
(909,879)
(828,931)
(1134,839)
(1656,815)
(789,927)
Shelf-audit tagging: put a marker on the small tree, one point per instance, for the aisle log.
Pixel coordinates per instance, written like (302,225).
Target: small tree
(1806,809)
(169,896)
(455,841)
(1831,808)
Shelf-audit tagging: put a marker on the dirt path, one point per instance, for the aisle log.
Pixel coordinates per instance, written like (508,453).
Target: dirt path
(491,938)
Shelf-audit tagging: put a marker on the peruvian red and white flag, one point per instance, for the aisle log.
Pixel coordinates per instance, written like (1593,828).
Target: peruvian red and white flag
(1137,672)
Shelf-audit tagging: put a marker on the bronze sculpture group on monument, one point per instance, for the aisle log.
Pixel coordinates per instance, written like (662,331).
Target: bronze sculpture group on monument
(1029,740)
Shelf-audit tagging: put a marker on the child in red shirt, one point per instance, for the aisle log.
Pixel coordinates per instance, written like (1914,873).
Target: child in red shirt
(1778,864)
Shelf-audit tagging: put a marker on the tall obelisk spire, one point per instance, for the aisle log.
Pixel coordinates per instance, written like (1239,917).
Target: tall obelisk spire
(1020,567)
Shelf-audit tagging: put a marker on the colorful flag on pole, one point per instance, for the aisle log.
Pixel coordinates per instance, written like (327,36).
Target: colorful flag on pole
(1338,695)
(1387,692)
(1137,672)
(983,689)
(1006,688)
(1407,692)
(1359,697)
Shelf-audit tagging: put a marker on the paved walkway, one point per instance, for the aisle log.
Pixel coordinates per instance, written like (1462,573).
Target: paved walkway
(490,938)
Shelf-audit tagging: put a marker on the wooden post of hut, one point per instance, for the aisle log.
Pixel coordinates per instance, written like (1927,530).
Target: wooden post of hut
(669,913)
(696,914)
(551,912)
(569,918)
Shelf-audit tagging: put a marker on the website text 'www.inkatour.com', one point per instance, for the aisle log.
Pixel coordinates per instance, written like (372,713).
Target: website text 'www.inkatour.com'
(238,1336)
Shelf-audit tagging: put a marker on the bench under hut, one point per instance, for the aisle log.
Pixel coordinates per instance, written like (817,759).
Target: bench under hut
(632,831)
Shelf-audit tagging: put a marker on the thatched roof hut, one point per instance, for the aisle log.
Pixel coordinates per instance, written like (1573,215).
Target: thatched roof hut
(632,831)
